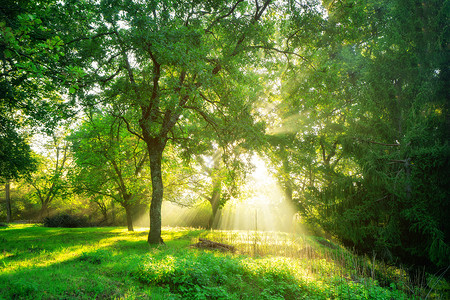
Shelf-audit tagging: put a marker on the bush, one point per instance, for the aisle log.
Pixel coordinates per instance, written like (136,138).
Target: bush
(66,220)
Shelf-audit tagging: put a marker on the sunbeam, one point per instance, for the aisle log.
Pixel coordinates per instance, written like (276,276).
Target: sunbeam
(264,209)
(261,207)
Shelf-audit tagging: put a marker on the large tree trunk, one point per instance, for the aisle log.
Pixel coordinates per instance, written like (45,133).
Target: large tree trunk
(104,212)
(129,218)
(154,235)
(44,210)
(8,202)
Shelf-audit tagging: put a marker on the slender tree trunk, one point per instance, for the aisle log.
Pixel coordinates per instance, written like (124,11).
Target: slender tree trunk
(215,201)
(113,212)
(212,224)
(217,187)
(154,235)
(104,211)
(8,201)
(129,218)
(288,191)
(286,183)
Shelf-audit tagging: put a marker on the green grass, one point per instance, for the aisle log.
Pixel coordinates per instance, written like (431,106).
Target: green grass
(111,263)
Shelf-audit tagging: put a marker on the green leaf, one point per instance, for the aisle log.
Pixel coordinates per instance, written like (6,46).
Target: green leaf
(7,53)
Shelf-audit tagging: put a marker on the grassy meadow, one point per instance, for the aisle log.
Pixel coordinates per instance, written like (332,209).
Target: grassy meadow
(112,263)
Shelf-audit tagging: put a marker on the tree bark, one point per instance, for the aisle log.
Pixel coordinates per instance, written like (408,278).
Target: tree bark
(129,218)
(113,212)
(44,210)
(217,188)
(215,201)
(155,155)
(288,191)
(8,201)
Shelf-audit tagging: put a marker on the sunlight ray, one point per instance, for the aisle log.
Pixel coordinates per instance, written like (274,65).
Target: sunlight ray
(265,209)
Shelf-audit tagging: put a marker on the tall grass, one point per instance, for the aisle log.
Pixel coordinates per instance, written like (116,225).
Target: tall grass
(317,254)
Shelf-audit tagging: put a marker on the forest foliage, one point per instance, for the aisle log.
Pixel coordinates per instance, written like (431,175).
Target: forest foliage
(347,102)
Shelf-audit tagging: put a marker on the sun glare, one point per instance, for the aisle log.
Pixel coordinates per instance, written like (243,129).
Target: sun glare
(260,207)
(264,209)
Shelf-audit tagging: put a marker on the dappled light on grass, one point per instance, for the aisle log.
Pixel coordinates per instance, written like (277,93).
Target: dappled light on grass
(88,263)
(43,247)
(263,243)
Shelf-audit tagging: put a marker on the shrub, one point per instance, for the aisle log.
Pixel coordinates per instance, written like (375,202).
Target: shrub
(66,220)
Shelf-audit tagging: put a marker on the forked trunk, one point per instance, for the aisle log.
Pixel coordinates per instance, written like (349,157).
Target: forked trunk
(154,235)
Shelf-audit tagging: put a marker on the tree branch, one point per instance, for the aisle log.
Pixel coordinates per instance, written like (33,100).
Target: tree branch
(258,14)
(128,66)
(233,8)
(286,52)
(91,37)
(141,164)
(154,104)
(129,127)
(97,192)
(204,115)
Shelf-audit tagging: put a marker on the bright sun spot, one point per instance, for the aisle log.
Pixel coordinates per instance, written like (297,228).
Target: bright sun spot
(260,207)
(263,209)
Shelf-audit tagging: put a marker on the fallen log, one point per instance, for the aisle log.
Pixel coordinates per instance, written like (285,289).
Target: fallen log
(208,244)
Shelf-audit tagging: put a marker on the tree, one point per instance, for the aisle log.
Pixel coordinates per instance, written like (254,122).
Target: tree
(15,158)
(218,177)
(31,69)
(49,182)
(376,88)
(110,163)
(30,72)
(173,63)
